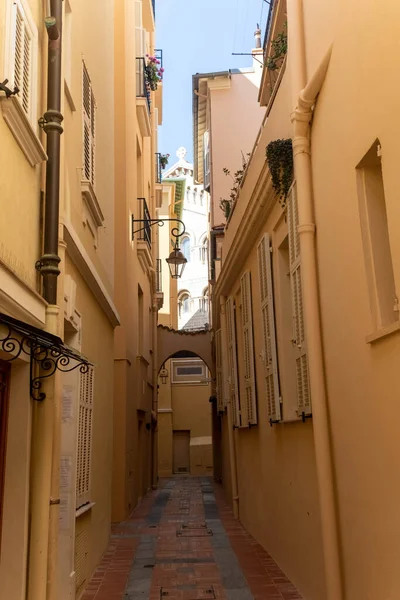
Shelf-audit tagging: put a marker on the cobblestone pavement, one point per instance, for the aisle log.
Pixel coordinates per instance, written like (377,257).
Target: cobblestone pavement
(183,543)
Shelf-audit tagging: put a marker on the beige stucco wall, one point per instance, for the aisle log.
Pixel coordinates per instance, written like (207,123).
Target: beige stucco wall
(361,378)
(134,352)
(277,481)
(231,134)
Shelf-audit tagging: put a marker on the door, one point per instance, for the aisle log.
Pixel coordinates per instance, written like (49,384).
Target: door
(4,391)
(181,451)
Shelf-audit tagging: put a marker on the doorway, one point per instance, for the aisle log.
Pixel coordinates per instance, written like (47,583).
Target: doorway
(181,444)
(4,391)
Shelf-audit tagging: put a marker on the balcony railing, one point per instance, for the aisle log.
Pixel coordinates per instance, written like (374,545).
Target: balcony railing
(154,8)
(158,53)
(158,168)
(158,275)
(142,86)
(142,222)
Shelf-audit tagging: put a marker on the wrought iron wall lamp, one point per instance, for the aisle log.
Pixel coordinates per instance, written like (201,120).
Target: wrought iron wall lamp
(176,260)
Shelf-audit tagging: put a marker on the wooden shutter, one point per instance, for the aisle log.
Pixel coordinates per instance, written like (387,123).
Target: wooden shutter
(232,363)
(220,380)
(85,425)
(269,352)
(23,49)
(89,128)
(299,341)
(248,349)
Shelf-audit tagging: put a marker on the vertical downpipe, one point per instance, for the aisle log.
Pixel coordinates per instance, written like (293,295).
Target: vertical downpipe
(44,489)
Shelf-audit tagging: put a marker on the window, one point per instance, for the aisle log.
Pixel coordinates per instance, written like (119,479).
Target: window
(204,251)
(85,424)
(376,241)
(299,338)
(248,349)
(190,371)
(204,301)
(89,128)
(140,324)
(219,371)
(186,248)
(269,351)
(21,56)
(184,303)
(233,384)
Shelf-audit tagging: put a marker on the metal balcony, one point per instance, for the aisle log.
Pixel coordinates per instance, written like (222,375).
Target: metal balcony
(143,221)
(142,86)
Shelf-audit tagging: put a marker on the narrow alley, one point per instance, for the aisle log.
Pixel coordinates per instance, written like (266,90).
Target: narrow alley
(183,543)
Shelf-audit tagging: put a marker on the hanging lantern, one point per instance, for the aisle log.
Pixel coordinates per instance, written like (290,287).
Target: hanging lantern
(176,262)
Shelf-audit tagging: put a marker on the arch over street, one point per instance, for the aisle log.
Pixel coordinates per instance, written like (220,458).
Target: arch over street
(171,341)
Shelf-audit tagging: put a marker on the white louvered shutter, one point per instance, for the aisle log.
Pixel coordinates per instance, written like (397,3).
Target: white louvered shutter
(299,341)
(218,365)
(89,127)
(232,362)
(248,348)
(139,47)
(269,352)
(23,58)
(85,426)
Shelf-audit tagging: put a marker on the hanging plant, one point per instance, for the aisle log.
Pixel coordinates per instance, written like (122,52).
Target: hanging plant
(164,158)
(226,204)
(279,51)
(154,72)
(279,155)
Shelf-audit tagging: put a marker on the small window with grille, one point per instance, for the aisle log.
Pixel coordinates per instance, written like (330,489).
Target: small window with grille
(89,128)
(21,56)
(190,371)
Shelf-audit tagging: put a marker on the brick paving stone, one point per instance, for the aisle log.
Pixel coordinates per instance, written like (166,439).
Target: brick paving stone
(164,551)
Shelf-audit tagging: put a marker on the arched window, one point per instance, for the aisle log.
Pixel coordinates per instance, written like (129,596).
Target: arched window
(184,303)
(204,301)
(185,247)
(204,250)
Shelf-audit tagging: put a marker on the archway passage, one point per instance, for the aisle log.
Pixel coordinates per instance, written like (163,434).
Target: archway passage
(172,342)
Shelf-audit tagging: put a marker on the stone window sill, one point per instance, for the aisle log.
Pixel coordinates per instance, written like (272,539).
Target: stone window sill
(378,334)
(92,214)
(22,130)
(83,509)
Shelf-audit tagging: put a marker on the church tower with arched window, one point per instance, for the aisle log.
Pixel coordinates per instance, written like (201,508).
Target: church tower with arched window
(193,309)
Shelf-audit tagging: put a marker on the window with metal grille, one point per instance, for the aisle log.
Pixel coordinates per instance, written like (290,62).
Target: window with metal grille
(189,371)
(21,56)
(89,127)
(85,425)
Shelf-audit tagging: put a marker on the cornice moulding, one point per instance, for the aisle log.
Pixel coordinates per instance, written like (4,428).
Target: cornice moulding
(22,130)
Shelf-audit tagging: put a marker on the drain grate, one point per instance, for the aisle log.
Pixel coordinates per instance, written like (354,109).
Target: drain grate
(194,532)
(194,525)
(204,593)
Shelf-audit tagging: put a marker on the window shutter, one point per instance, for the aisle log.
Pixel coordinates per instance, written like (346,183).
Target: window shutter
(85,424)
(269,352)
(23,57)
(89,127)
(248,347)
(232,362)
(220,380)
(302,377)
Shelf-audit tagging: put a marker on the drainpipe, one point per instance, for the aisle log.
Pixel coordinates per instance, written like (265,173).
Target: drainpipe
(231,437)
(301,119)
(154,439)
(46,424)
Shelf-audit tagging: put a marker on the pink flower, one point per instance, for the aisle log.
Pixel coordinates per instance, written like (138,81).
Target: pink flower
(162,70)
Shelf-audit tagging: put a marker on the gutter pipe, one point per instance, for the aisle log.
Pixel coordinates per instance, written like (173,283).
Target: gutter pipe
(301,119)
(46,421)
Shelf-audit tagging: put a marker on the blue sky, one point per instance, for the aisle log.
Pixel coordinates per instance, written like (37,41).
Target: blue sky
(198,36)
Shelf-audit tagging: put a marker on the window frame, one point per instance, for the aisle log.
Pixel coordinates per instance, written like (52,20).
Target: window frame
(13,6)
(88,123)
(177,379)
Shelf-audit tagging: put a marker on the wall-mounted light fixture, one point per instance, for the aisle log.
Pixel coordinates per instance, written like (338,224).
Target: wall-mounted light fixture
(164,375)
(176,260)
